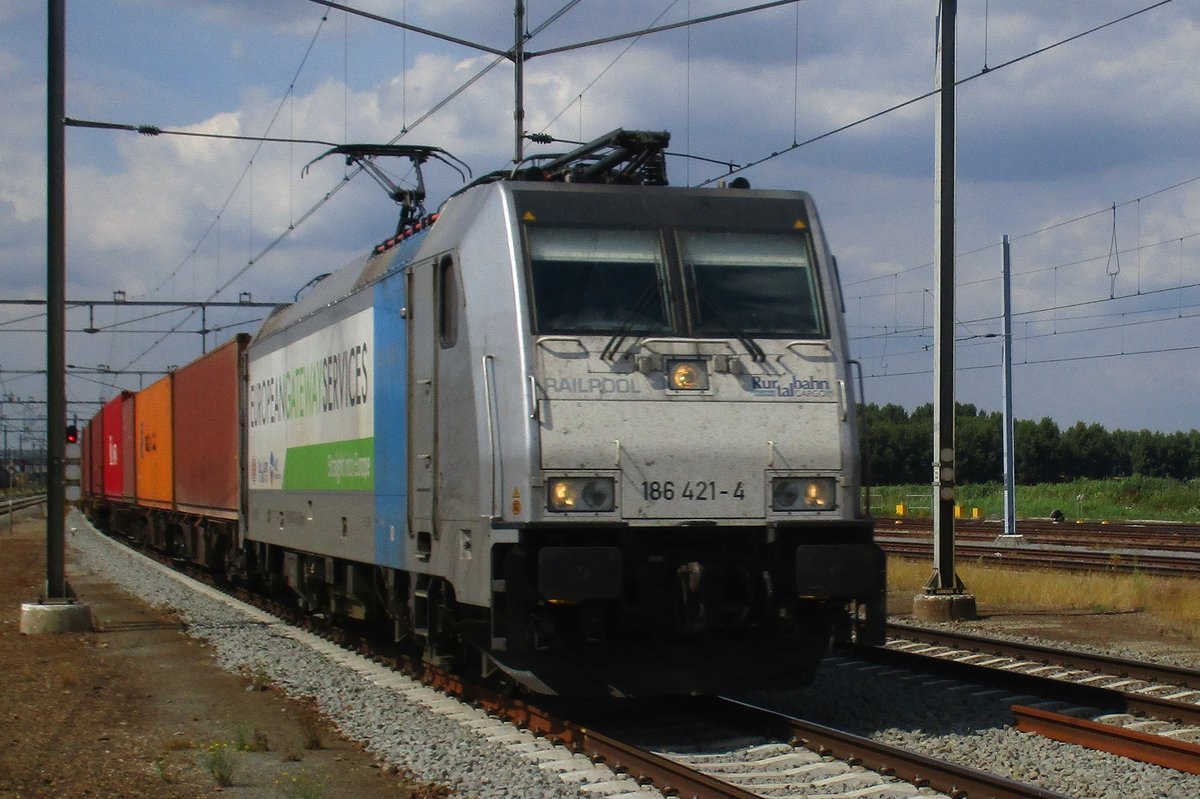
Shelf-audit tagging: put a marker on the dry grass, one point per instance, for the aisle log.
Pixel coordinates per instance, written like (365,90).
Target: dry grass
(1174,602)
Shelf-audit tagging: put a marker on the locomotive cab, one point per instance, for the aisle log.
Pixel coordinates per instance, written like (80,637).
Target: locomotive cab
(668,438)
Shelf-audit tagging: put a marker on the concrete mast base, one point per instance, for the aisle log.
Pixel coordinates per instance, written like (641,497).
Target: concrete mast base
(944,607)
(55,616)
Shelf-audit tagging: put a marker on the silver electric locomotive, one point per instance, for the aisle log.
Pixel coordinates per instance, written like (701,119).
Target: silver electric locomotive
(581,428)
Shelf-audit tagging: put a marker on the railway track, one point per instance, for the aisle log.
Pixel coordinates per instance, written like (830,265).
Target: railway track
(1169,536)
(13,504)
(1144,711)
(1164,548)
(1069,558)
(783,756)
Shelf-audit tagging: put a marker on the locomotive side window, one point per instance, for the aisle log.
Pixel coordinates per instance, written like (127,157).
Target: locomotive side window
(447,287)
(597,281)
(761,284)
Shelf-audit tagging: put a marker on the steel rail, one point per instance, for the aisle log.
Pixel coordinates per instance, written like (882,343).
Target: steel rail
(1106,527)
(669,776)
(1158,750)
(1119,667)
(1056,557)
(14,504)
(949,778)
(1171,536)
(1110,699)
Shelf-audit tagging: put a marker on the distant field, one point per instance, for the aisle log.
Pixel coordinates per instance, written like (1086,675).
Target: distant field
(1120,498)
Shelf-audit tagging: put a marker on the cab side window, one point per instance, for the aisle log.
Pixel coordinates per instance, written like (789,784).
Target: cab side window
(449,302)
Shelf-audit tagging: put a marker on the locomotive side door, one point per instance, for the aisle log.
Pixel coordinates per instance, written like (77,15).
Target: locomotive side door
(422,410)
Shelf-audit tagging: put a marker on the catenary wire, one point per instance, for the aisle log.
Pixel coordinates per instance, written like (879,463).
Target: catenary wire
(918,98)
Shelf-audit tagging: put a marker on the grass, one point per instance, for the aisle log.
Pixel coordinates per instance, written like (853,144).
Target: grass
(1118,499)
(243,742)
(218,759)
(1173,602)
(163,770)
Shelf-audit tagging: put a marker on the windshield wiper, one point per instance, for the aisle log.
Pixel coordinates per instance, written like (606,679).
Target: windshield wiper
(618,338)
(756,352)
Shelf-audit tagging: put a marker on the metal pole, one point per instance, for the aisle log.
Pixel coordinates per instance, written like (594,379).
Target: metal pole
(519,81)
(944,578)
(56,271)
(1010,501)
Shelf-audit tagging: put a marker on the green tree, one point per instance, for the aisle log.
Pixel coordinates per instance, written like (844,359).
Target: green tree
(1087,451)
(978,446)
(1037,457)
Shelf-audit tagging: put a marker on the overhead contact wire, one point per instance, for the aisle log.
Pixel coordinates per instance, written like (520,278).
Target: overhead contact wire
(918,98)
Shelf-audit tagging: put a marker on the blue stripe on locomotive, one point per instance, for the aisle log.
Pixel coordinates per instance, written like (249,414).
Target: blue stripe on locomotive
(391,420)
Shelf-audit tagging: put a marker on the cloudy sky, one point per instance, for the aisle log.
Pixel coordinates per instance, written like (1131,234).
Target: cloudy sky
(1085,154)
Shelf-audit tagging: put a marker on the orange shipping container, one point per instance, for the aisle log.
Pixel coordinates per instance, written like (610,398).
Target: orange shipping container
(155,475)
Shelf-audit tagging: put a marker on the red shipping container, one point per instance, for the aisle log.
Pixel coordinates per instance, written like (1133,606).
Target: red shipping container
(128,446)
(85,460)
(113,443)
(208,432)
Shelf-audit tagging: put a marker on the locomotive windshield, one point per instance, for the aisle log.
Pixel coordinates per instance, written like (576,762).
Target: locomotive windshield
(756,283)
(598,281)
(674,280)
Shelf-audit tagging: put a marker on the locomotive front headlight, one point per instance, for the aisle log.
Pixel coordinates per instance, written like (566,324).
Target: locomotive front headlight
(687,375)
(803,493)
(581,494)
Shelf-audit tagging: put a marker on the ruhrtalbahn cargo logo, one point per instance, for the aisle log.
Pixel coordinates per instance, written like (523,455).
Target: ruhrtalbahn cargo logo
(774,387)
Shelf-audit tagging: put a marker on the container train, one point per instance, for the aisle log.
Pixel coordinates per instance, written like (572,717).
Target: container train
(579,430)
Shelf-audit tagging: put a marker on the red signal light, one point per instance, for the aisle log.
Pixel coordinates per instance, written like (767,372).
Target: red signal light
(72,434)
